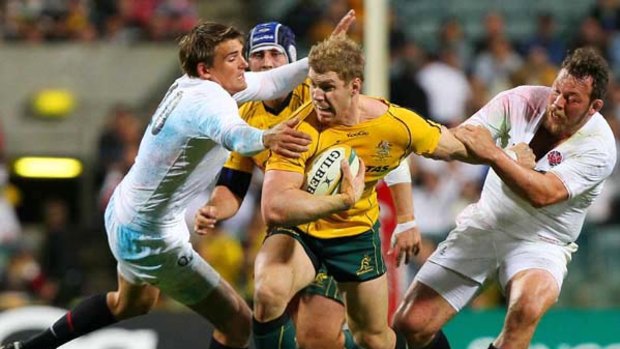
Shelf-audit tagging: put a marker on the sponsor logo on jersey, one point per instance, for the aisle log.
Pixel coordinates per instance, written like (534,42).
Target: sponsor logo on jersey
(357,134)
(377,169)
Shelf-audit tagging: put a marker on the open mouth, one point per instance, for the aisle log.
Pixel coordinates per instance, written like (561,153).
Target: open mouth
(323,109)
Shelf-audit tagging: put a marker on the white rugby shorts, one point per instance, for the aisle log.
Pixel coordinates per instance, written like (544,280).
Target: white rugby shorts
(170,264)
(469,256)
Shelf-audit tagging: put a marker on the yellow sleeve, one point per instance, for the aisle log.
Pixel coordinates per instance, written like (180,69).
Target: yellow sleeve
(424,133)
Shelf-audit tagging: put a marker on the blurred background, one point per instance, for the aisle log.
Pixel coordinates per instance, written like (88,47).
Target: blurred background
(79,80)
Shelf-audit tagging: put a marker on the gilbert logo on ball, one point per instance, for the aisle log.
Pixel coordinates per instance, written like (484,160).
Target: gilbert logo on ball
(324,175)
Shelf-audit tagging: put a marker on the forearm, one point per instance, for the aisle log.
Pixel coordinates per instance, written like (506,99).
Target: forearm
(403,201)
(530,185)
(294,206)
(273,83)
(450,148)
(244,139)
(226,202)
(284,79)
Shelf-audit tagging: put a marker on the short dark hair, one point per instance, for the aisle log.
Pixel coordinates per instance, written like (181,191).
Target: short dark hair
(585,62)
(199,44)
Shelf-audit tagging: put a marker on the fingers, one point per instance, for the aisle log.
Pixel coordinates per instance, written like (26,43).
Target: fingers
(345,170)
(298,137)
(205,220)
(288,153)
(343,26)
(362,170)
(293,122)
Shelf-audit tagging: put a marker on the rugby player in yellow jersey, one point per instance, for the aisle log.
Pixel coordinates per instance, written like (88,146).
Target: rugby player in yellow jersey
(339,231)
(320,310)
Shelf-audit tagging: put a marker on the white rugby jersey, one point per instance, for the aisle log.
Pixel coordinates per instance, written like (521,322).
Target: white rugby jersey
(184,146)
(582,163)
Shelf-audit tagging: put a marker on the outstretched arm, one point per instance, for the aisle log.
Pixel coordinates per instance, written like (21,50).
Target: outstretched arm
(451,148)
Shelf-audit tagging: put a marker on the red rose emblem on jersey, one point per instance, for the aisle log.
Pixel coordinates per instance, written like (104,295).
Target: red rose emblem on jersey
(554,158)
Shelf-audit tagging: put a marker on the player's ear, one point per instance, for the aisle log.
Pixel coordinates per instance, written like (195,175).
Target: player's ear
(356,85)
(596,106)
(203,71)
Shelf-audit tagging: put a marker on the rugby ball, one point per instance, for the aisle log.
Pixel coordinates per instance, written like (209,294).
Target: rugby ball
(323,176)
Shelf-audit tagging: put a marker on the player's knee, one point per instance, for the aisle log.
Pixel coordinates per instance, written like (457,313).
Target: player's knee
(237,329)
(414,328)
(524,312)
(136,307)
(269,298)
(370,339)
(318,337)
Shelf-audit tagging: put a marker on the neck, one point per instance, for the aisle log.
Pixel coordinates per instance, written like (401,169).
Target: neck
(274,103)
(353,114)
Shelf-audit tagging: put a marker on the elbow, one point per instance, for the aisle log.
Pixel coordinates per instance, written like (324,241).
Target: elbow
(274,215)
(540,201)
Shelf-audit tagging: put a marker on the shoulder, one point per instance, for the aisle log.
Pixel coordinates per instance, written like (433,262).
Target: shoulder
(528,94)
(599,134)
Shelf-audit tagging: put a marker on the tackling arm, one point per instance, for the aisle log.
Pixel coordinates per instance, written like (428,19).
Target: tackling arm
(539,189)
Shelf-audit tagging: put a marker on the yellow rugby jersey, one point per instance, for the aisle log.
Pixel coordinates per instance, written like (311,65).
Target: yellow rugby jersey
(255,114)
(381,143)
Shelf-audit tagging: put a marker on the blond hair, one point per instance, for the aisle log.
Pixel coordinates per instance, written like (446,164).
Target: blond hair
(338,54)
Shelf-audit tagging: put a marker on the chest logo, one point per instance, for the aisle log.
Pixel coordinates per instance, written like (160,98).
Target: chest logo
(554,158)
(382,151)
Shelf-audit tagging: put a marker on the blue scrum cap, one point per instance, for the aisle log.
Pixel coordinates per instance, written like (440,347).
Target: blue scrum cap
(270,35)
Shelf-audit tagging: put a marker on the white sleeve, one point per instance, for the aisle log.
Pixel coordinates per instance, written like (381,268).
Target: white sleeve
(222,123)
(273,83)
(493,115)
(580,172)
(400,174)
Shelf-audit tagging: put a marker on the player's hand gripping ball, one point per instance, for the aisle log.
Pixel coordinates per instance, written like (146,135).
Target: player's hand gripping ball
(324,175)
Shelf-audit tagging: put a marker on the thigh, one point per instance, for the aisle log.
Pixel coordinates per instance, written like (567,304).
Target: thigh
(534,289)
(468,251)
(325,286)
(367,305)
(222,305)
(319,316)
(186,276)
(452,287)
(355,258)
(282,259)
(426,309)
(519,255)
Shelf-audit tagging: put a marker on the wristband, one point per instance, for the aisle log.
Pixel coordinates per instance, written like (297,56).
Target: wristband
(402,227)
